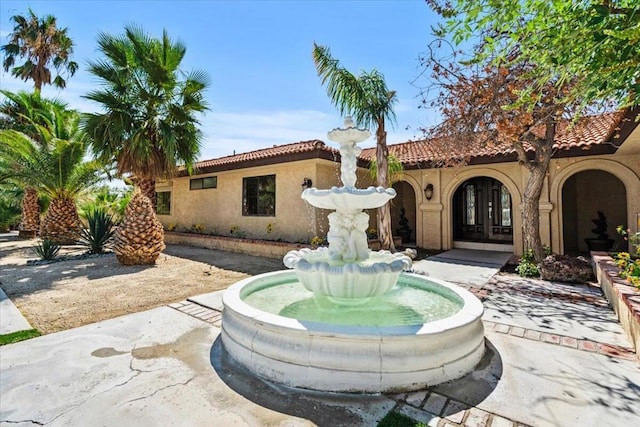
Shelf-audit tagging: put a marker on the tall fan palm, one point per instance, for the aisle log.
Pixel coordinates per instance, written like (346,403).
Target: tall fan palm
(149,125)
(56,169)
(25,111)
(43,44)
(368,100)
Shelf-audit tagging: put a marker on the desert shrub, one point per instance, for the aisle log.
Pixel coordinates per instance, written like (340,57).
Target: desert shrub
(235,231)
(99,231)
(629,268)
(318,241)
(47,250)
(528,266)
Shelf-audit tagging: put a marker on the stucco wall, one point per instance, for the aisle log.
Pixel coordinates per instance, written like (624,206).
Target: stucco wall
(219,209)
(434,217)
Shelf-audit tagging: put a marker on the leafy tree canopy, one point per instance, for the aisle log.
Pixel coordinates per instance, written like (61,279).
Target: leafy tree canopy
(594,44)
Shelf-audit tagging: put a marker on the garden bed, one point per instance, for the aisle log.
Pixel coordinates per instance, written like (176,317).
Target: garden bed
(256,247)
(623,297)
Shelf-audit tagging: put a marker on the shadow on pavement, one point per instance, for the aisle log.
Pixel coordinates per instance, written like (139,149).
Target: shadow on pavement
(325,408)
(477,385)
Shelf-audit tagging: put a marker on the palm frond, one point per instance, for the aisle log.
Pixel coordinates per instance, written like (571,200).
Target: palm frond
(149,121)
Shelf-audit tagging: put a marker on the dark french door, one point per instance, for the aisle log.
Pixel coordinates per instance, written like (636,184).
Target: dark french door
(482,212)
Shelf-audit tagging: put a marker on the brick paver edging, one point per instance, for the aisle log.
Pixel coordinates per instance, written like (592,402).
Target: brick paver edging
(610,350)
(438,410)
(198,311)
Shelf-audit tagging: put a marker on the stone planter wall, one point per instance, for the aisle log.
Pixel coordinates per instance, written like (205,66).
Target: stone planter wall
(624,298)
(264,248)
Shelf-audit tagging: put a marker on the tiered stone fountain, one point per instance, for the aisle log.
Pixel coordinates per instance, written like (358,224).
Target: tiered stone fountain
(346,318)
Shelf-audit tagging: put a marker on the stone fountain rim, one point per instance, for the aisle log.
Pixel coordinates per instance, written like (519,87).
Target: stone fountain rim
(472,309)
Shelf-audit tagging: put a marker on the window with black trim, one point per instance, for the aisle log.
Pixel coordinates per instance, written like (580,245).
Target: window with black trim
(202,183)
(259,196)
(163,203)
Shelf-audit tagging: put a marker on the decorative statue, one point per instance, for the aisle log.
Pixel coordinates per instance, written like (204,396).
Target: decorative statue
(347,237)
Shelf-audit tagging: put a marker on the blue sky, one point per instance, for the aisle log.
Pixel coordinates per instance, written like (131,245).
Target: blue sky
(264,88)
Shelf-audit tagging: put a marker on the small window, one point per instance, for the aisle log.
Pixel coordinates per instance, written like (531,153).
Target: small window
(163,203)
(202,183)
(259,196)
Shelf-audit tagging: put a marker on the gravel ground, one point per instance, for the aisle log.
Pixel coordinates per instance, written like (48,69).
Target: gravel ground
(75,292)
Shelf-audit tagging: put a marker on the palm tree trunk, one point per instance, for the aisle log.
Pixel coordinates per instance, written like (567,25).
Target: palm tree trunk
(384,213)
(30,223)
(140,237)
(148,188)
(61,223)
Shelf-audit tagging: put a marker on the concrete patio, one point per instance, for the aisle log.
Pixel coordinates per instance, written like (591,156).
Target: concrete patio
(556,356)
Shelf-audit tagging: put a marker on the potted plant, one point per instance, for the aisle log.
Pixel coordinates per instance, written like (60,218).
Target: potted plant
(601,242)
(404,230)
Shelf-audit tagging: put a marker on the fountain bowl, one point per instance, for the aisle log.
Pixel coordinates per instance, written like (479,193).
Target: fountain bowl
(348,198)
(354,280)
(351,358)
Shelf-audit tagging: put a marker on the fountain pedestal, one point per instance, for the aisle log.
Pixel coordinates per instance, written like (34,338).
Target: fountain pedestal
(348,269)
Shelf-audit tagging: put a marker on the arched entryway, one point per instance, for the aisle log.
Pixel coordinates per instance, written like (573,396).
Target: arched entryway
(482,212)
(583,195)
(403,212)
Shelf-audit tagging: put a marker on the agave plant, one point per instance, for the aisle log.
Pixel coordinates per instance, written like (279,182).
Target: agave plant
(47,250)
(99,231)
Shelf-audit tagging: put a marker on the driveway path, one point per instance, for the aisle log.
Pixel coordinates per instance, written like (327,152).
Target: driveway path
(555,357)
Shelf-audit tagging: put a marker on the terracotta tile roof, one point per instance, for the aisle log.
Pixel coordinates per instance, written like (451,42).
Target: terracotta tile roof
(267,153)
(594,131)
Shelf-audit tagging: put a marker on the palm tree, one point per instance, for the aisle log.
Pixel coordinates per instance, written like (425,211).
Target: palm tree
(24,112)
(149,125)
(10,194)
(56,168)
(368,100)
(42,43)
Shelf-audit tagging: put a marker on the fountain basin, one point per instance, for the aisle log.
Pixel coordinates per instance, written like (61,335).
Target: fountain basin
(348,198)
(364,279)
(351,358)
